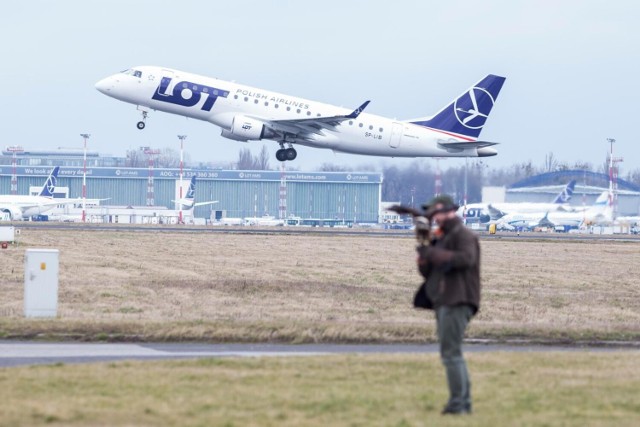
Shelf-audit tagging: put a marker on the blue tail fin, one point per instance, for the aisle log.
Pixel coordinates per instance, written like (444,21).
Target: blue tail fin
(467,114)
(191,192)
(566,194)
(50,184)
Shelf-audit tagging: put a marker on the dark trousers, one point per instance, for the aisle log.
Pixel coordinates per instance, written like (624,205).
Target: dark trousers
(452,322)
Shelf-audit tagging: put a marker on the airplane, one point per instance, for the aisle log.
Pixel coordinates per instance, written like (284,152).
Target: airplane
(263,221)
(486,212)
(189,201)
(600,211)
(498,210)
(17,207)
(249,114)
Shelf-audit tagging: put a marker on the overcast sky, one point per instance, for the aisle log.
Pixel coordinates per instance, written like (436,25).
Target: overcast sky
(572,69)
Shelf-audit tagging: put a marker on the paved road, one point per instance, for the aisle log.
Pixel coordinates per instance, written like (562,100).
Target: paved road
(20,353)
(366,232)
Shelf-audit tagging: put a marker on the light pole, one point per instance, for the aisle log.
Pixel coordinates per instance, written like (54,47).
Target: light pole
(14,150)
(85,136)
(181,138)
(613,179)
(464,210)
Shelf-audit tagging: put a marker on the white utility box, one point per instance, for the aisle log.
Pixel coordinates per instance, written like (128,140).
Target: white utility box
(41,283)
(7,234)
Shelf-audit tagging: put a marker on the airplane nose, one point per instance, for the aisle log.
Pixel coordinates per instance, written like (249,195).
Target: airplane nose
(104,85)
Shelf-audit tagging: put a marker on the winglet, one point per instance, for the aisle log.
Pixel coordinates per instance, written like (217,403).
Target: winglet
(357,111)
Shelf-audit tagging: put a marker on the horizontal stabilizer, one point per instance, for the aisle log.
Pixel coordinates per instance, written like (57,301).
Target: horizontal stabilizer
(463,145)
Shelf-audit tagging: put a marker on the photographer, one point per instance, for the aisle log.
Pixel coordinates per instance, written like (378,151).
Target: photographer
(450,264)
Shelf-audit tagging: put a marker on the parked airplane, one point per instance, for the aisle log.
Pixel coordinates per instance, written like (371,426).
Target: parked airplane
(17,207)
(498,210)
(247,114)
(189,201)
(600,211)
(486,212)
(263,220)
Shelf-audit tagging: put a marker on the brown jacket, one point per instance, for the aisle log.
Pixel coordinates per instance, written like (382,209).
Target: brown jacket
(453,263)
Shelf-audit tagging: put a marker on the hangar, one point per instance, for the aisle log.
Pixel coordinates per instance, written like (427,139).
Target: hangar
(352,197)
(589,185)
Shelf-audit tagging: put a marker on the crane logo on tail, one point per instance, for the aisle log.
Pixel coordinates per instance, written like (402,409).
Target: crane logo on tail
(472,108)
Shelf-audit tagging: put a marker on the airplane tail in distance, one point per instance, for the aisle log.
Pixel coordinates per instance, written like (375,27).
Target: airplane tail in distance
(50,184)
(566,193)
(188,202)
(191,192)
(467,114)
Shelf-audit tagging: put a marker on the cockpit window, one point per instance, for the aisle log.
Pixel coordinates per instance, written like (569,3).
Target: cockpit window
(132,72)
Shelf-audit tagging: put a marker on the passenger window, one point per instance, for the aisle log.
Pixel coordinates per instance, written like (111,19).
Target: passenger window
(246,99)
(308,113)
(288,108)
(235,96)
(370,127)
(350,122)
(318,114)
(266,104)
(276,105)
(360,125)
(381,129)
(255,102)
(298,111)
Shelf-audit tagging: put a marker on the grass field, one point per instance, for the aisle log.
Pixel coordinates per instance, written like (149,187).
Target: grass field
(509,389)
(312,288)
(306,288)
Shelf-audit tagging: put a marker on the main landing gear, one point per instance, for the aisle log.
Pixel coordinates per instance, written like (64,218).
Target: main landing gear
(141,124)
(284,154)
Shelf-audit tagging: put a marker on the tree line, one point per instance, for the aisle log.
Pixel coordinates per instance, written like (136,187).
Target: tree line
(415,183)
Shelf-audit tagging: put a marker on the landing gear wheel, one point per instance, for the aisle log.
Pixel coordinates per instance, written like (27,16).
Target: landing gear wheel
(141,124)
(281,155)
(291,153)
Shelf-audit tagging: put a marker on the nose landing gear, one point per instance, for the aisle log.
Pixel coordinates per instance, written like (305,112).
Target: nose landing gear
(141,124)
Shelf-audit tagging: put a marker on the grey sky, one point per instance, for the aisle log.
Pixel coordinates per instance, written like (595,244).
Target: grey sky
(571,67)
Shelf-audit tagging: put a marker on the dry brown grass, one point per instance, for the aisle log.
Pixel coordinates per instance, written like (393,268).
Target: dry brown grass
(324,287)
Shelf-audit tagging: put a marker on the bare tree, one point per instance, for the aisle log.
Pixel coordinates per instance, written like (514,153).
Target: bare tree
(245,160)
(550,162)
(263,159)
(135,158)
(330,167)
(634,176)
(170,158)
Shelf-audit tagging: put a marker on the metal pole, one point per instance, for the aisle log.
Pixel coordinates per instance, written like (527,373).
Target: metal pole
(14,161)
(182,138)
(85,136)
(464,211)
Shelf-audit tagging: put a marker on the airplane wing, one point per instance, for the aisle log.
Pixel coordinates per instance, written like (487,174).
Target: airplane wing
(76,201)
(313,125)
(545,222)
(205,203)
(494,212)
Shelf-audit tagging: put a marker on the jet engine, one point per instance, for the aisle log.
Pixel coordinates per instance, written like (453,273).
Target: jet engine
(14,212)
(244,128)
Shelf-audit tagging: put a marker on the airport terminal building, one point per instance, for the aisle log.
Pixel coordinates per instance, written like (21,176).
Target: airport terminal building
(346,197)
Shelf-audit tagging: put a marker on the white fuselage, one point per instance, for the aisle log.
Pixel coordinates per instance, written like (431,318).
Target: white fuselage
(367,134)
(28,205)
